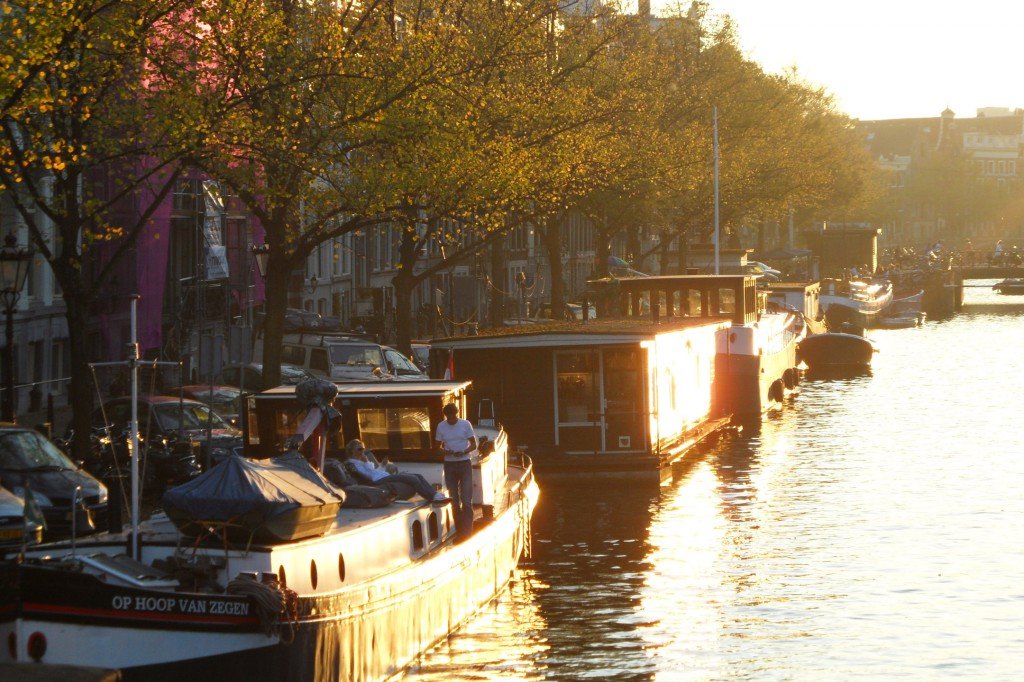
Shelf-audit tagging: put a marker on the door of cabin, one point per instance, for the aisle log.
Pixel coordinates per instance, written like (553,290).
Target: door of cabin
(623,393)
(599,400)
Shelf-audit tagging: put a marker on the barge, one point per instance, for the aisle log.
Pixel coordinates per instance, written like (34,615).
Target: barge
(358,599)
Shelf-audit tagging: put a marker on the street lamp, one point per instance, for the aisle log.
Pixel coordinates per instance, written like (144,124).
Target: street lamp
(14,264)
(261,252)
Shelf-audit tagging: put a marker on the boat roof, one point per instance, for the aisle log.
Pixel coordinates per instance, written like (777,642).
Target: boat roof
(383,389)
(592,332)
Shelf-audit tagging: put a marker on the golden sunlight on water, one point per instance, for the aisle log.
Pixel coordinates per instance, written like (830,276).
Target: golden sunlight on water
(873,528)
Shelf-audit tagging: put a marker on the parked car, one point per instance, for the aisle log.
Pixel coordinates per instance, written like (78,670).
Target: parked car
(169,427)
(29,460)
(226,401)
(573,311)
(14,526)
(421,355)
(250,377)
(345,358)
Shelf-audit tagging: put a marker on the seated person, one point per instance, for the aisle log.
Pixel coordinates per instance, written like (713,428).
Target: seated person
(360,459)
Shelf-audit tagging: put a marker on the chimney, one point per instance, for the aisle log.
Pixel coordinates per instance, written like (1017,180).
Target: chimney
(643,8)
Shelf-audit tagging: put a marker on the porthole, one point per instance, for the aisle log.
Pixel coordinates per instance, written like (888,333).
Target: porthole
(341,567)
(417,536)
(312,573)
(281,577)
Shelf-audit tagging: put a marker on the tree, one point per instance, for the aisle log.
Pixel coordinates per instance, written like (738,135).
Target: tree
(96,123)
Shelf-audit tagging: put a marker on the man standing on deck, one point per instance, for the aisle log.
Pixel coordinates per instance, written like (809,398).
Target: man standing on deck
(457,440)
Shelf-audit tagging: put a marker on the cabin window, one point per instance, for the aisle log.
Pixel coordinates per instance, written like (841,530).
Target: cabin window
(577,387)
(395,428)
(312,573)
(693,303)
(341,567)
(726,301)
(286,424)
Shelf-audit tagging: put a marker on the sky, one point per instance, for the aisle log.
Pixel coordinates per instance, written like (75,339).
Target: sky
(891,58)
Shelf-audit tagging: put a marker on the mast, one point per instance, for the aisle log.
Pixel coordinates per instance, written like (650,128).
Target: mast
(133,372)
(714,145)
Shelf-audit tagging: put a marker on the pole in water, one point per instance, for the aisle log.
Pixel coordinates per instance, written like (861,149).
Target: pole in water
(133,373)
(714,131)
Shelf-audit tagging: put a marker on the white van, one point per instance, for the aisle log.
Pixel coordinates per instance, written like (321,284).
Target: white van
(347,358)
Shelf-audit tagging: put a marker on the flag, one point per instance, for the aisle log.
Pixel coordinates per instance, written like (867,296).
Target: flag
(449,371)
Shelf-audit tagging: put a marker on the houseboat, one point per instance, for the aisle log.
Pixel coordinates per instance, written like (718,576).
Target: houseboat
(674,358)
(315,590)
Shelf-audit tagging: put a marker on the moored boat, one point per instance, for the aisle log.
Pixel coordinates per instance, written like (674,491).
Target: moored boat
(854,301)
(278,596)
(835,350)
(1010,287)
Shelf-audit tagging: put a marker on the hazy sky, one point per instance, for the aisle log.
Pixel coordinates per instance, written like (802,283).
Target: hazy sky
(891,58)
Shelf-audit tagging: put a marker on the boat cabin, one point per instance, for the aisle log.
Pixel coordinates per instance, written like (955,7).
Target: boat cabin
(396,420)
(803,297)
(734,297)
(628,393)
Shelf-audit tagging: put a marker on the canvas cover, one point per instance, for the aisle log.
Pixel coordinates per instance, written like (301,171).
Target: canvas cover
(239,486)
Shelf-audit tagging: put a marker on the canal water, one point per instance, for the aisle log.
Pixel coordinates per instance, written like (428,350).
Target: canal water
(874,528)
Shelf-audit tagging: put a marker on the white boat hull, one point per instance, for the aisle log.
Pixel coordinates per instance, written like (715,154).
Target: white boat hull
(367,631)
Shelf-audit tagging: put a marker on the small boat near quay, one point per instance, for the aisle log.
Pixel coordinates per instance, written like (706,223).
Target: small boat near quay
(266,573)
(904,311)
(854,301)
(1009,287)
(835,351)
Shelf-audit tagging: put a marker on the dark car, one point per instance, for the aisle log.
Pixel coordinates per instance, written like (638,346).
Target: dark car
(29,461)
(250,377)
(226,401)
(169,428)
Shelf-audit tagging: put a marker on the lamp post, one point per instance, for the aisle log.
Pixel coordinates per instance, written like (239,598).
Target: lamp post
(14,264)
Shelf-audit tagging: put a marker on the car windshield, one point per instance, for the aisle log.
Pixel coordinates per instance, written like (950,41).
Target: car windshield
(25,451)
(356,355)
(189,416)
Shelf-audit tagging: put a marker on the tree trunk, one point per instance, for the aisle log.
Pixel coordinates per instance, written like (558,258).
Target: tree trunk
(664,263)
(603,249)
(403,286)
(553,245)
(80,393)
(496,309)
(279,269)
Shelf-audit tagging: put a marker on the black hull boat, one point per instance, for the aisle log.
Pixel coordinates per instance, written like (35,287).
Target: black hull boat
(836,350)
(1009,287)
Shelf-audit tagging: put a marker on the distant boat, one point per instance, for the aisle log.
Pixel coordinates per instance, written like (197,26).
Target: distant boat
(854,301)
(1009,287)
(904,311)
(835,350)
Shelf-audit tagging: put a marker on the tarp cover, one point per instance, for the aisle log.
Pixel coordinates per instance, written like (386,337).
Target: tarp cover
(239,486)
